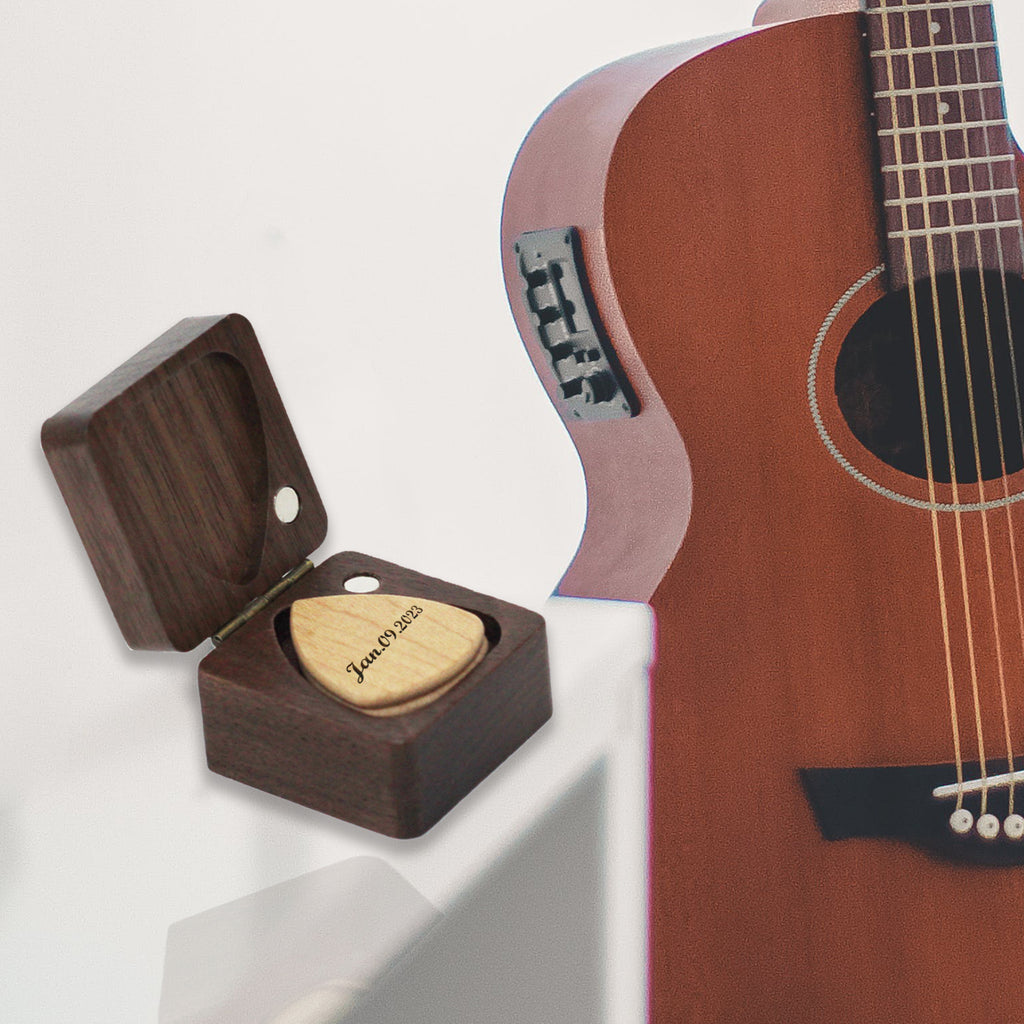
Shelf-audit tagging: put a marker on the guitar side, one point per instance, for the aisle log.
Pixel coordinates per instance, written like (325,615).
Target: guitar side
(637,471)
(726,200)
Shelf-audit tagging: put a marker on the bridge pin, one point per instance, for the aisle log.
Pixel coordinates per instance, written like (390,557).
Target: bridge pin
(1014,827)
(988,826)
(961,821)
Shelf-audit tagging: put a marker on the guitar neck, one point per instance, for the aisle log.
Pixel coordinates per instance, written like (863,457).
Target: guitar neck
(948,163)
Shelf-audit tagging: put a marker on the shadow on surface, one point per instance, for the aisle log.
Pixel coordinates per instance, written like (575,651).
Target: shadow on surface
(524,946)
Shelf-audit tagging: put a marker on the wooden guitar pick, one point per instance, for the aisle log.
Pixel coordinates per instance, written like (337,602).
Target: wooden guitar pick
(385,654)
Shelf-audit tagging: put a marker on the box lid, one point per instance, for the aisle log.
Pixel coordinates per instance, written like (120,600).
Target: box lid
(186,482)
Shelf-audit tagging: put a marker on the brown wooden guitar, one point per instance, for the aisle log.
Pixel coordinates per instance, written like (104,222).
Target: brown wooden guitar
(773,284)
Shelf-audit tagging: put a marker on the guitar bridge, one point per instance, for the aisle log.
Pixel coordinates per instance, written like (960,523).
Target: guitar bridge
(909,804)
(591,384)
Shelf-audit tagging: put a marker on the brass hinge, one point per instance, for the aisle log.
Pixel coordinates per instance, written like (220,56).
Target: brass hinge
(257,604)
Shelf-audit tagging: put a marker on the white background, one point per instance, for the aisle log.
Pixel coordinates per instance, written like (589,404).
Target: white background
(334,172)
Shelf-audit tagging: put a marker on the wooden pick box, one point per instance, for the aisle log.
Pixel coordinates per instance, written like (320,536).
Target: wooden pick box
(177,469)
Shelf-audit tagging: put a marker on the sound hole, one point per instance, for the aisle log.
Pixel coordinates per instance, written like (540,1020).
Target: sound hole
(877,387)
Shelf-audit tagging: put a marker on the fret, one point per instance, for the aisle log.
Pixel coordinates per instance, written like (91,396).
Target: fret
(923,26)
(964,250)
(955,182)
(952,126)
(987,193)
(931,90)
(936,5)
(969,66)
(927,145)
(949,70)
(906,51)
(963,161)
(942,109)
(955,229)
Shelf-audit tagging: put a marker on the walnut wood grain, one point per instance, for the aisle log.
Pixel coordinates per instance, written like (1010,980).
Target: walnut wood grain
(268,726)
(727,197)
(169,467)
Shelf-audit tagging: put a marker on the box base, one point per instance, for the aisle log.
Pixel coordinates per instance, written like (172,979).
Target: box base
(268,726)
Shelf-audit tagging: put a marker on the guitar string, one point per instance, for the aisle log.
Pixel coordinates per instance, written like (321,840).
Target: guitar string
(947,415)
(925,428)
(1015,381)
(957,276)
(959,273)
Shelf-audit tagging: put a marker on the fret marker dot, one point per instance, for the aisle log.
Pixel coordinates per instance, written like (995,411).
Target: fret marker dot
(961,822)
(1014,827)
(988,826)
(935,28)
(944,108)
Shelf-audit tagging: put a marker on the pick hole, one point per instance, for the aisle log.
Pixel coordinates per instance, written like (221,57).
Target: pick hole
(361,584)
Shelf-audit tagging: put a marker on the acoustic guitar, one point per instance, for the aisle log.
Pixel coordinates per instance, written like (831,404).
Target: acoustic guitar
(772,283)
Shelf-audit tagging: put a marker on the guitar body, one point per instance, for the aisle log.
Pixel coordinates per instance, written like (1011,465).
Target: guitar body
(725,197)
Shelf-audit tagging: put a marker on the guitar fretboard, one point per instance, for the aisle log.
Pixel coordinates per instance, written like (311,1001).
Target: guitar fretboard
(948,165)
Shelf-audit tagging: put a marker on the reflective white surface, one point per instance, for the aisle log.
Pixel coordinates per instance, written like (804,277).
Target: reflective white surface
(304,949)
(122,833)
